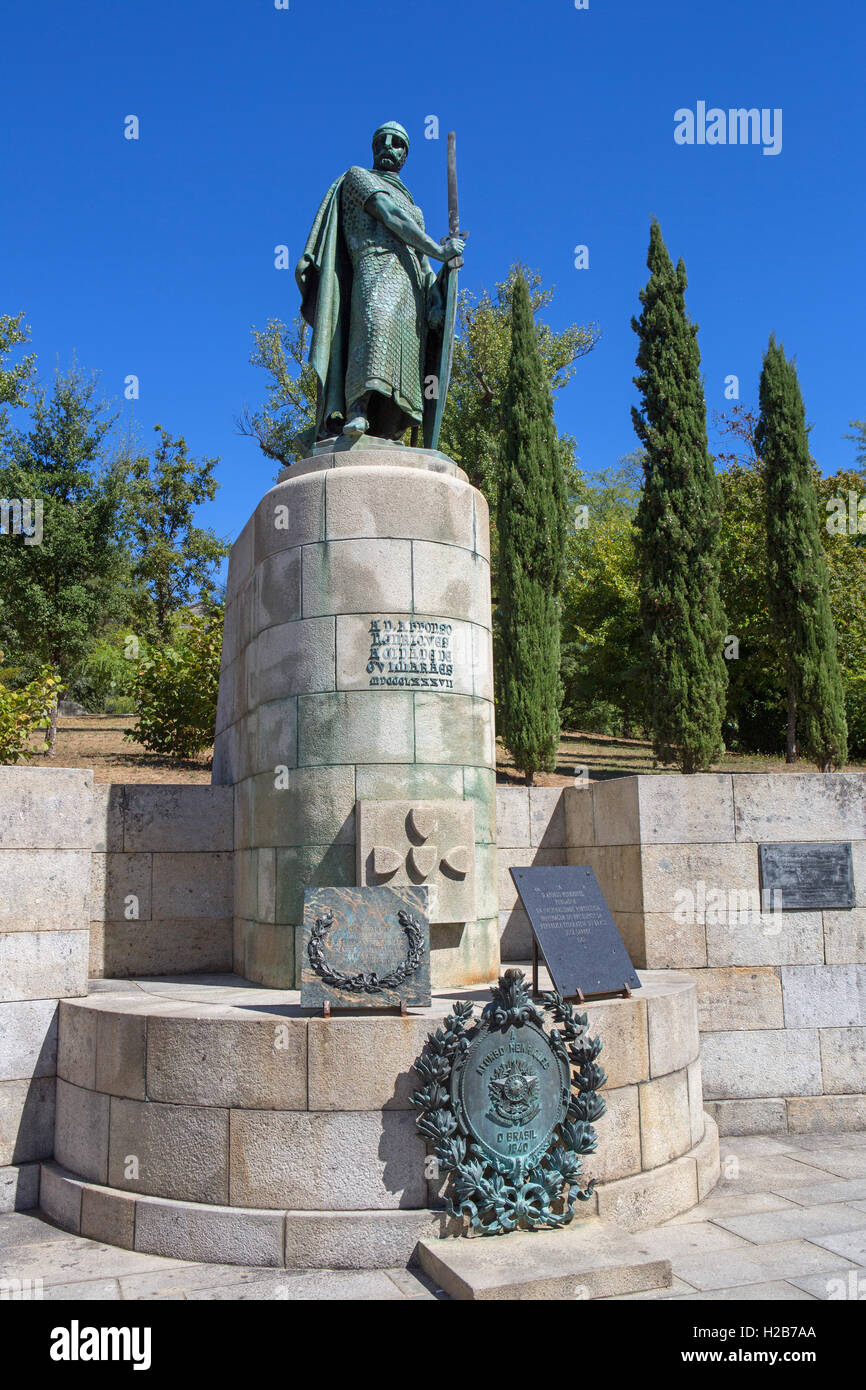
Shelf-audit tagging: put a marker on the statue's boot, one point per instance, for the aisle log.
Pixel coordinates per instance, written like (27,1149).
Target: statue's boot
(356,419)
(359,424)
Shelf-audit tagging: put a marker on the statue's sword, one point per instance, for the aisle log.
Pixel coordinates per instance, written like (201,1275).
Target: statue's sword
(450,320)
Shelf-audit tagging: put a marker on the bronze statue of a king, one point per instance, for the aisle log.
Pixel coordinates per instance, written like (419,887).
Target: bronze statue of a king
(374,304)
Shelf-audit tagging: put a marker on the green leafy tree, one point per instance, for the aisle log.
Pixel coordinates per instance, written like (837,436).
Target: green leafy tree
(678,527)
(473,425)
(845,553)
(64,590)
(14,381)
(104,678)
(533,519)
(23,711)
(757,692)
(176,687)
(755,718)
(175,560)
(602,648)
(799,588)
(290,407)
(859,438)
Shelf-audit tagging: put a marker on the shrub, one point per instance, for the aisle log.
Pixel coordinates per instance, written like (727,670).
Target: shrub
(23,711)
(119,704)
(175,690)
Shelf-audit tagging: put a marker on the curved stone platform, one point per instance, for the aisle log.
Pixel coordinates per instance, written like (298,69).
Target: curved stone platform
(204,1117)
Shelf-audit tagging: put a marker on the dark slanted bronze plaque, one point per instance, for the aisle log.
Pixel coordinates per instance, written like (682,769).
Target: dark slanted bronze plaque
(365,948)
(801,875)
(575,930)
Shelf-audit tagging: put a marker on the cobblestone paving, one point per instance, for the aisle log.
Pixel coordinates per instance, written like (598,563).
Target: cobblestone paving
(786,1222)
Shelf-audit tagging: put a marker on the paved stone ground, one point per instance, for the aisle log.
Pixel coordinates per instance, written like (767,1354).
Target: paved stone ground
(787,1221)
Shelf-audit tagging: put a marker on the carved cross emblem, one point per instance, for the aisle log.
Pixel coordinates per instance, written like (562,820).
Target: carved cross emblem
(422,858)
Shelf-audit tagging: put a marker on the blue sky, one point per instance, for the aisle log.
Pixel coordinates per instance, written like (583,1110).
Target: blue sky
(154,256)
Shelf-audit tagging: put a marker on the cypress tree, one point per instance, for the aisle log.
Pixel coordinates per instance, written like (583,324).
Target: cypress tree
(532,524)
(678,524)
(799,586)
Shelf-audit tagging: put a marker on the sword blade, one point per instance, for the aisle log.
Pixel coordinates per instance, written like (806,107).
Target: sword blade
(453,208)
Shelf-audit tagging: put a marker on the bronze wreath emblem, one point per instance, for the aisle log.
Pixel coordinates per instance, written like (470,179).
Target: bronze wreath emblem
(367,981)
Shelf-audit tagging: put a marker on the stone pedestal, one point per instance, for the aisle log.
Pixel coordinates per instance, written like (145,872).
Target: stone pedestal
(357,668)
(205,1118)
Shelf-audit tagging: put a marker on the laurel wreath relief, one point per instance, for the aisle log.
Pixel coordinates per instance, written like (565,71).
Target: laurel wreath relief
(367,981)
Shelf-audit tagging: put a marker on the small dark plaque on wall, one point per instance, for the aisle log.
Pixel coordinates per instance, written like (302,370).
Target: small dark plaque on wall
(575,931)
(365,948)
(802,875)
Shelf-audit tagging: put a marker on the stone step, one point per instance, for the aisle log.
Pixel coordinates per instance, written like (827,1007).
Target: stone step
(587,1260)
(234,1235)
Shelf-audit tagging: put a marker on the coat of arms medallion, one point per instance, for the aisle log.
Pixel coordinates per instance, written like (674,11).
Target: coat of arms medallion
(508,1107)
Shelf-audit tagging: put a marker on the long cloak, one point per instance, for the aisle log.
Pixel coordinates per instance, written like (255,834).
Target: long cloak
(324,276)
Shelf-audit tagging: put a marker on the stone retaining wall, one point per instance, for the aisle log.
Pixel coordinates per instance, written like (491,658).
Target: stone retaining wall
(161,892)
(782,1006)
(94,880)
(46,830)
(781,998)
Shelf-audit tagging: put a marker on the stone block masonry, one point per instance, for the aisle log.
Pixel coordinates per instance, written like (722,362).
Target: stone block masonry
(46,831)
(161,880)
(357,667)
(144,880)
(216,1119)
(781,996)
(249,1127)
(94,880)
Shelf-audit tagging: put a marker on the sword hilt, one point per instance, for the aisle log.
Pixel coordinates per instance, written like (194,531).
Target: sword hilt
(457,261)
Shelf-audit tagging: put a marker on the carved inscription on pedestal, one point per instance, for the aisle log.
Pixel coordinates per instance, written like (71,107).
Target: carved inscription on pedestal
(417,653)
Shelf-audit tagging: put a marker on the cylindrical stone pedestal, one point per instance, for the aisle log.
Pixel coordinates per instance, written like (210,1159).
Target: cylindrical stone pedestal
(355,712)
(266,1136)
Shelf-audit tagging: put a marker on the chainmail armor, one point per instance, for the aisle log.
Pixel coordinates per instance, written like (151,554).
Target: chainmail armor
(389,297)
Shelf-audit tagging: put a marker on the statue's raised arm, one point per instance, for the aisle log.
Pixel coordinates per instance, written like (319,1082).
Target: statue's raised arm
(372,299)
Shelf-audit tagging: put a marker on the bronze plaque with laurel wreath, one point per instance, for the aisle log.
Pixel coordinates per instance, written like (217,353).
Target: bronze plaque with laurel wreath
(365,948)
